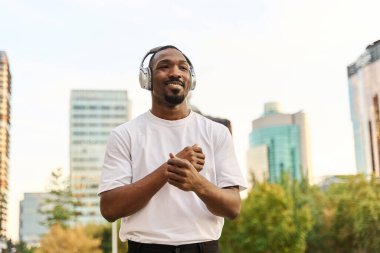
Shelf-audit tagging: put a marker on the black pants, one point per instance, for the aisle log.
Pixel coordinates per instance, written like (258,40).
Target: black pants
(203,247)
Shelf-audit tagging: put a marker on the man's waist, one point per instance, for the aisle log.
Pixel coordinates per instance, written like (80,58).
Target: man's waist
(172,231)
(208,246)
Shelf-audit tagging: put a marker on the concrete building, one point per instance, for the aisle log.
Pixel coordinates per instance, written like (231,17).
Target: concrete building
(30,227)
(278,144)
(5,95)
(364,91)
(93,114)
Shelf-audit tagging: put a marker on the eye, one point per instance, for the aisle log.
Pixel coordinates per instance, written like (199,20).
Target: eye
(184,68)
(163,66)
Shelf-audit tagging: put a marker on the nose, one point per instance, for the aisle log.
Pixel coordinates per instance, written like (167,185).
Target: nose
(175,72)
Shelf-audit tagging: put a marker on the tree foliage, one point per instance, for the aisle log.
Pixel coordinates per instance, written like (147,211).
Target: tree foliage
(59,206)
(356,223)
(68,240)
(19,247)
(103,232)
(319,238)
(347,217)
(270,221)
(294,217)
(290,217)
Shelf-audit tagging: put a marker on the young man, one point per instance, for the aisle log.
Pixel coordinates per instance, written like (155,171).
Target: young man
(170,174)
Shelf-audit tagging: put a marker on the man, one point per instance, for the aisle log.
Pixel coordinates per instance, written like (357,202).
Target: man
(170,174)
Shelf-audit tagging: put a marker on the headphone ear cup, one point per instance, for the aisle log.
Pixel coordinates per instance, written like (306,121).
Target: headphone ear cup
(193,80)
(145,78)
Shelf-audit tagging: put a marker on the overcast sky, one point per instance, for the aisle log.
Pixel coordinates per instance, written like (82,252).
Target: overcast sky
(245,53)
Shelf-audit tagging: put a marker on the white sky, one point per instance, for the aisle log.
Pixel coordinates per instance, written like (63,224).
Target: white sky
(245,53)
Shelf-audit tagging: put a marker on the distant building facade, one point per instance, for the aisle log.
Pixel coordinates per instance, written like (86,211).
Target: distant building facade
(31,228)
(93,114)
(279,144)
(364,91)
(5,96)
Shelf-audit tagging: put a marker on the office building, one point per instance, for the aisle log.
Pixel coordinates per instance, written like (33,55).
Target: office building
(31,228)
(278,145)
(5,95)
(93,114)
(364,91)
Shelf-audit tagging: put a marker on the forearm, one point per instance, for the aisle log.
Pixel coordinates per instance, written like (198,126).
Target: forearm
(126,200)
(223,202)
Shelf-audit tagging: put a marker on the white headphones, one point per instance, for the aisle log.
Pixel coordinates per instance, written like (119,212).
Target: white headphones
(145,76)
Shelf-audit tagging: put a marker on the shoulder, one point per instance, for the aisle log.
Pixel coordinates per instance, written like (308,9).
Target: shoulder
(131,125)
(216,127)
(128,129)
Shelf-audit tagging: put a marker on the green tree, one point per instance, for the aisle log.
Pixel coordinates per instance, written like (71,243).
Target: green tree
(356,225)
(346,217)
(230,239)
(270,221)
(20,247)
(319,238)
(103,232)
(59,206)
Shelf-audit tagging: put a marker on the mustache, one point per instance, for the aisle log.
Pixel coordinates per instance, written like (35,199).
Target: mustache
(176,81)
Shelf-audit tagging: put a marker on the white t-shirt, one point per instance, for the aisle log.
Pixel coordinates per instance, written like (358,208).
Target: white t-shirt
(172,216)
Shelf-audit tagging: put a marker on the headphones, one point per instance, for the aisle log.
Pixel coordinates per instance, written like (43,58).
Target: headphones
(145,76)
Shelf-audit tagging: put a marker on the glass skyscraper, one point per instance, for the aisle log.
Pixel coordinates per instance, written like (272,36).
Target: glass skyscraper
(279,144)
(5,95)
(31,228)
(364,91)
(94,113)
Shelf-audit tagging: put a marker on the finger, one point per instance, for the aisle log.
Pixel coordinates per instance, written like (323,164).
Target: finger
(201,159)
(176,177)
(201,162)
(197,149)
(200,155)
(176,170)
(179,162)
(171,155)
(198,167)
(175,183)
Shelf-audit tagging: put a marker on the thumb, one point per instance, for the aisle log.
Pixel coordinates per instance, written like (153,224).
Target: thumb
(171,155)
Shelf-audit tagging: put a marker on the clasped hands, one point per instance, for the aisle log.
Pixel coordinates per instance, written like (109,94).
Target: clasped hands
(184,168)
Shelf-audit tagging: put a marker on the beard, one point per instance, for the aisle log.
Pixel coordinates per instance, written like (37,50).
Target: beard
(174,99)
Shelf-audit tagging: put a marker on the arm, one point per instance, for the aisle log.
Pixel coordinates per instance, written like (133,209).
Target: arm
(128,199)
(223,202)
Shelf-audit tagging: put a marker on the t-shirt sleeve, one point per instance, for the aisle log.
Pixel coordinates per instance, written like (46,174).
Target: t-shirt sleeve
(117,169)
(228,172)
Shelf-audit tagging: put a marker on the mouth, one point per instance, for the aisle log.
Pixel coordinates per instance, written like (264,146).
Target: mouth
(175,84)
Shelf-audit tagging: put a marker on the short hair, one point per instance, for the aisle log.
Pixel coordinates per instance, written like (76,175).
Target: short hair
(155,50)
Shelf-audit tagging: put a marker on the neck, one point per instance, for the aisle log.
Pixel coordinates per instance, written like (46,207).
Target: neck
(171,112)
